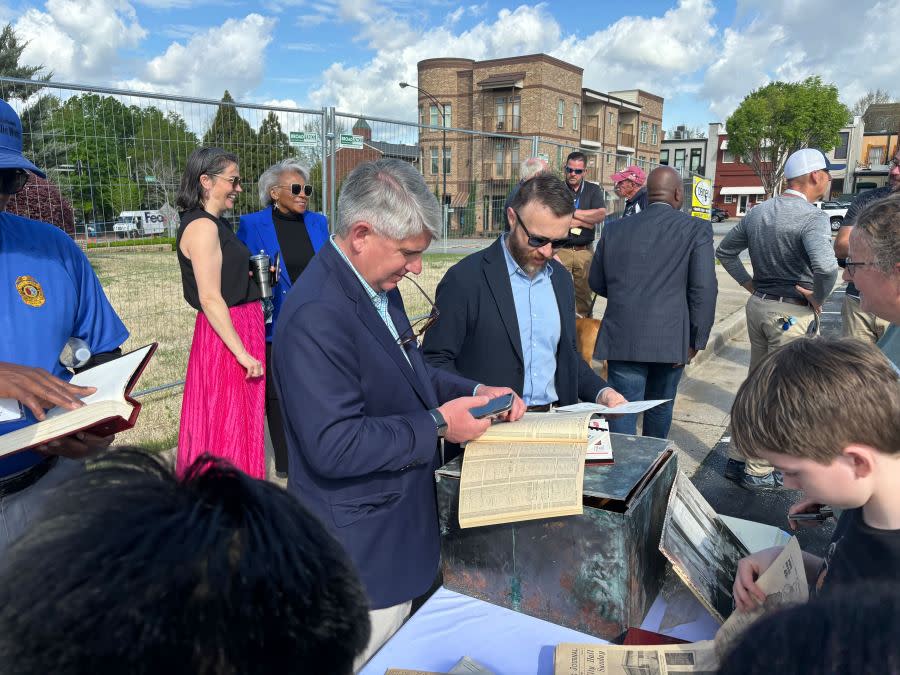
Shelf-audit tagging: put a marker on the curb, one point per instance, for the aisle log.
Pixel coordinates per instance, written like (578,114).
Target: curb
(732,325)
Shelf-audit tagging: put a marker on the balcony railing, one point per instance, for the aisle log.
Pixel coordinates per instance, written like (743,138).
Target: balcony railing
(590,130)
(502,123)
(495,171)
(626,140)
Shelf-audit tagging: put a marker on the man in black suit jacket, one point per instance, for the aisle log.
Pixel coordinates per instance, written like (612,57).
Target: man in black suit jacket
(507,312)
(657,271)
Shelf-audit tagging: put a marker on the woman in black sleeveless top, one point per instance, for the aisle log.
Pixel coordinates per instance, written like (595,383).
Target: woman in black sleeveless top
(222,411)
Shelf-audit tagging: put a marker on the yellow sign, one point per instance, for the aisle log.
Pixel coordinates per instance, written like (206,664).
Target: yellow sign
(701,198)
(30,291)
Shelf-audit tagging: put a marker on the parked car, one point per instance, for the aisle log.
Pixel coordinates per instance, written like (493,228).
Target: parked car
(718,215)
(836,212)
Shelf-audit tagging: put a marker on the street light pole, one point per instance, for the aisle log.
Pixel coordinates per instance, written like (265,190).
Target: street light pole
(440,109)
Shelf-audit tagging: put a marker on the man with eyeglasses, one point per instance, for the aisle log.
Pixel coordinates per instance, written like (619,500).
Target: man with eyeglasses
(855,322)
(794,270)
(507,312)
(364,412)
(629,185)
(49,294)
(657,272)
(590,210)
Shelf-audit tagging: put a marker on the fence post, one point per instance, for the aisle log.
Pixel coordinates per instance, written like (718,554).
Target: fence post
(330,123)
(535,145)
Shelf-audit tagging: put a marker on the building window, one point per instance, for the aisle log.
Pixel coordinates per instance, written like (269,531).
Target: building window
(642,138)
(840,152)
(514,158)
(447,153)
(609,118)
(560,113)
(874,155)
(679,159)
(654,134)
(514,103)
(448,115)
(608,158)
(729,199)
(727,157)
(499,152)
(434,159)
(696,158)
(575,117)
(422,115)
(664,156)
(435,121)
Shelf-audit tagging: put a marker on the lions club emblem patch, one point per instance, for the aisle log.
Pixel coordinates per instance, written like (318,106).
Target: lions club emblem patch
(30,291)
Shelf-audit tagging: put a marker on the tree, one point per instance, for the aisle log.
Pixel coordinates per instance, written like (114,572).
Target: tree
(10,52)
(41,200)
(233,133)
(683,131)
(863,103)
(775,120)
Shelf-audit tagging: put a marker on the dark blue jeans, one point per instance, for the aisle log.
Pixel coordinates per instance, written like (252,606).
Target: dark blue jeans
(638,381)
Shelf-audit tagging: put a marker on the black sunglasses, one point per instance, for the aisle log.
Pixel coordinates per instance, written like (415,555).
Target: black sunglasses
(577,172)
(12,180)
(540,242)
(296,189)
(418,325)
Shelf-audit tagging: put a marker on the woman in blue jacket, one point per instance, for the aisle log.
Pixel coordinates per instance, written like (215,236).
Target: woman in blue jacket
(284,228)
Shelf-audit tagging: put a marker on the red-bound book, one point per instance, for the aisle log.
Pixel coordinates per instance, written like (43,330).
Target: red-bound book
(639,636)
(107,411)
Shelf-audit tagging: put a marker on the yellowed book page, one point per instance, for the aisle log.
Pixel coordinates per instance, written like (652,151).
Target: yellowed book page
(546,427)
(509,482)
(600,659)
(784,583)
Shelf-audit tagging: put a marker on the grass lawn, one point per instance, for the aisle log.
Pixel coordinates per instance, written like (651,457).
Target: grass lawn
(144,286)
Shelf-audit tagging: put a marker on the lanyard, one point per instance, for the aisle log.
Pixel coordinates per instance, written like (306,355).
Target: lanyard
(578,194)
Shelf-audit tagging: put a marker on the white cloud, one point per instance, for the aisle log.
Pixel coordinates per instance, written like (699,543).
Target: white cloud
(79,39)
(230,56)
(847,44)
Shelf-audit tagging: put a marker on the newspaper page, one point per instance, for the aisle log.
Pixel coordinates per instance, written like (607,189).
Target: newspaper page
(784,583)
(509,482)
(632,407)
(599,659)
(538,428)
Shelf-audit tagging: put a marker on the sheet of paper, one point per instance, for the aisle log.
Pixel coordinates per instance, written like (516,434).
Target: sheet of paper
(10,410)
(599,659)
(624,409)
(539,427)
(599,445)
(784,583)
(509,482)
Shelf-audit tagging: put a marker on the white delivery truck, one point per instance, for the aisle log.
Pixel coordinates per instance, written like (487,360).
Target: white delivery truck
(132,224)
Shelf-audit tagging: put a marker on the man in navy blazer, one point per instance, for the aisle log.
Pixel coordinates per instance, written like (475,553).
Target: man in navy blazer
(657,271)
(363,410)
(507,313)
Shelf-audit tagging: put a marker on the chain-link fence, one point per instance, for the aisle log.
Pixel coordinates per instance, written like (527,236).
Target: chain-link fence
(114,160)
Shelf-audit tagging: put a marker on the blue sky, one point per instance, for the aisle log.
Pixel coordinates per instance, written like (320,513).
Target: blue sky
(702,56)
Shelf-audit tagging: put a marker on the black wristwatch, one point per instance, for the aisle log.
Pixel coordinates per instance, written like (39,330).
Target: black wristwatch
(439,421)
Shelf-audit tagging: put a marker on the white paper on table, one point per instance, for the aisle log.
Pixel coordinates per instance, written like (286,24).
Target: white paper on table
(624,409)
(10,410)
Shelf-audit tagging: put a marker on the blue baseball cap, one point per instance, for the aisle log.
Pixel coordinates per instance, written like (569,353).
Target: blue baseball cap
(11,156)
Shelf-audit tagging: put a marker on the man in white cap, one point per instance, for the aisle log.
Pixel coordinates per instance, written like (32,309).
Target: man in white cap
(794,270)
(48,294)
(629,185)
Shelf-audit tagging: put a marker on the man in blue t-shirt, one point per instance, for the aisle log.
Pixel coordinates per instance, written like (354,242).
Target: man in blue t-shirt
(48,294)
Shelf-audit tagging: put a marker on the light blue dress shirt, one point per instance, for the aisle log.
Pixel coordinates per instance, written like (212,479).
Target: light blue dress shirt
(539,329)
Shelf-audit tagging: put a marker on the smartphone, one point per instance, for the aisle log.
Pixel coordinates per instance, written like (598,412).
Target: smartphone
(496,406)
(822,514)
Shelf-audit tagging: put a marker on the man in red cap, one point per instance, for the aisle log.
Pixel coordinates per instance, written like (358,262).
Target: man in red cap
(629,185)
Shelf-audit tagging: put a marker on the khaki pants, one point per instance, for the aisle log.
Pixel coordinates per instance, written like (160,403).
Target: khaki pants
(579,265)
(859,324)
(385,622)
(766,335)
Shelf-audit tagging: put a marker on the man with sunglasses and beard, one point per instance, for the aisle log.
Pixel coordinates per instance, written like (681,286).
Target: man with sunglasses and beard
(589,211)
(507,313)
(49,294)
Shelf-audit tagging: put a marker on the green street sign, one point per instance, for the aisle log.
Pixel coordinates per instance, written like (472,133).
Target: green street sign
(304,139)
(352,141)
(149,179)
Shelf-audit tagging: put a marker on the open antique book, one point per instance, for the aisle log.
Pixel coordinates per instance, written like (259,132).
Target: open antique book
(107,411)
(528,469)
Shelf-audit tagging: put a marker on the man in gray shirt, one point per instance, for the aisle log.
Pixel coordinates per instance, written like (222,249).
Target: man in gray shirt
(794,270)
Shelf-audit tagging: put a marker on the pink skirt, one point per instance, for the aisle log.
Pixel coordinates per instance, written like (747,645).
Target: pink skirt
(223,412)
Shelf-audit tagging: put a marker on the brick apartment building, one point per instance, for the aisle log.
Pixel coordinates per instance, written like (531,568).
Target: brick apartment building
(515,100)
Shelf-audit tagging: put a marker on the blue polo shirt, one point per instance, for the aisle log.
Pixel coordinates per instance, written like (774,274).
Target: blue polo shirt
(48,293)
(539,329)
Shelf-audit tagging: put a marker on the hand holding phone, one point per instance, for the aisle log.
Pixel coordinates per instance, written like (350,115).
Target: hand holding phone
(494,407)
